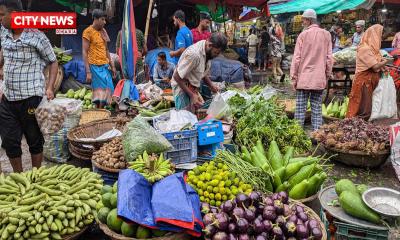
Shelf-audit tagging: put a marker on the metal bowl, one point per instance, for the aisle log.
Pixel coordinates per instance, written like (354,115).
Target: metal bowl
(384,201)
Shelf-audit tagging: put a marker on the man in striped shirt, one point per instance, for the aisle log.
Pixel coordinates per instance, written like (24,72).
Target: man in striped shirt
(24,55)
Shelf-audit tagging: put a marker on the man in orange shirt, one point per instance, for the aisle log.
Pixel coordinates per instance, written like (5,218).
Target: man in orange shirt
(98,60)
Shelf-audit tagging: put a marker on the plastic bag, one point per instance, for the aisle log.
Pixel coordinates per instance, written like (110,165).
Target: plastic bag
(139,137)
(395,147)
(174,120)
(51,115)
(384,99)
(218,107)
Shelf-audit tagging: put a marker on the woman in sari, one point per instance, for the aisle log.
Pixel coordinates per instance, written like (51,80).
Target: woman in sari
(369,65)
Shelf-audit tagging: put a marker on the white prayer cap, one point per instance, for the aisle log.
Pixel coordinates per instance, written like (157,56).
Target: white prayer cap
(310,13)
(360,23)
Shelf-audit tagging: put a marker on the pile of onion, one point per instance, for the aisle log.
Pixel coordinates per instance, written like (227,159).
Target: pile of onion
(259,218)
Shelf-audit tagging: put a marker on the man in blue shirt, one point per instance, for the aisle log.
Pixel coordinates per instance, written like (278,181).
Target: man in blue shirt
(163,71)
(184,37)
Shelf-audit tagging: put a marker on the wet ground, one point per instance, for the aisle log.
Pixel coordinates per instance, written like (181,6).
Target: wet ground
(383,176)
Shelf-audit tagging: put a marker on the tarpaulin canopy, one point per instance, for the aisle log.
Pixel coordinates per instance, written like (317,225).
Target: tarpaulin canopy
(250,3)
(320,6)
(217,16)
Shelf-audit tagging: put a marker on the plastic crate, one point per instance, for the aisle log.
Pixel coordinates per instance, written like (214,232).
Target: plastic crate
(108,178)
(210,132)
(185,146)
(345,231)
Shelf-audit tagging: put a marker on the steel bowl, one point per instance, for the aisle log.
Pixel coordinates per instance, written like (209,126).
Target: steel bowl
(384,201)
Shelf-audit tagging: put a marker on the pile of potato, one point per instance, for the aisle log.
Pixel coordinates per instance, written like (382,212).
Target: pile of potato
(111,155)
(51,118)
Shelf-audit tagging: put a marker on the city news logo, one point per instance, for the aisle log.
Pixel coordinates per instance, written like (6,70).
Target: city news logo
(62,22)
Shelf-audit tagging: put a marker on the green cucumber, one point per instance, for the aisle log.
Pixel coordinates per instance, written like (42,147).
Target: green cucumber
(352,204)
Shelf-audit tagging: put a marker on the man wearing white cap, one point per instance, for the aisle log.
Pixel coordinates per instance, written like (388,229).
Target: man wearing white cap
(311,67)
(356,39)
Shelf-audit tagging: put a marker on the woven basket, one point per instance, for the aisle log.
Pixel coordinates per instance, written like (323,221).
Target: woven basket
(328,119)
(94,130)
(111,170)
(315,216)
(59,77)
(116,236)
(75,235)
(94,115)
(358,158)
(80,153)
(309,199)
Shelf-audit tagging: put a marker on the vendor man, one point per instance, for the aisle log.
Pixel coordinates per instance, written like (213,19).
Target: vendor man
(184,37)
(25,53)
(191,69)
(163,70)
(356,39)
(202,32)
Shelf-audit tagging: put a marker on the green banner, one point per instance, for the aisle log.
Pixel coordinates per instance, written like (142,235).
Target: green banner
(320,6)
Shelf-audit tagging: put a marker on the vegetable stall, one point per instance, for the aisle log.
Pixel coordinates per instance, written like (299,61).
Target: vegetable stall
(156,176)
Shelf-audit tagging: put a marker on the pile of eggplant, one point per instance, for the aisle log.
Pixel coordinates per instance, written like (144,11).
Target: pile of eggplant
(259,217)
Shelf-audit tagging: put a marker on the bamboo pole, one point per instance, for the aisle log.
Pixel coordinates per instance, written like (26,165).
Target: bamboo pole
(146,31)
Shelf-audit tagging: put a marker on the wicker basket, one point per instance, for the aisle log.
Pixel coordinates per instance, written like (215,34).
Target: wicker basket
(84,149)
(75,235)
(358,158)
(94,115)
(315,216)
(111,170)
(309,199)
(116,236)
(328,119)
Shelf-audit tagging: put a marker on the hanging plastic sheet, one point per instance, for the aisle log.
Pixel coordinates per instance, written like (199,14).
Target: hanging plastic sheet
(321,6)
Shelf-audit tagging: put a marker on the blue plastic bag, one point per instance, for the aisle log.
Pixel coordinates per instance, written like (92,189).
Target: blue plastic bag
(134,198)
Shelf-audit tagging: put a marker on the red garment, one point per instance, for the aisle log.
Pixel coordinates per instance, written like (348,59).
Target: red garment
(395,73)
(198,36)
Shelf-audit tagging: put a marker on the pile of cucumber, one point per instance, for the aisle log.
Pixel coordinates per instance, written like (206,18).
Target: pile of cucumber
(48,203)
(350,199)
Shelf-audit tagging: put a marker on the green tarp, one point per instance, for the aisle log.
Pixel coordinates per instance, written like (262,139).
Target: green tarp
(76,6)
(320,6)
(217,16)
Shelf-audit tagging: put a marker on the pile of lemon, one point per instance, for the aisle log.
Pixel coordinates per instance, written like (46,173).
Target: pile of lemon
(214,183)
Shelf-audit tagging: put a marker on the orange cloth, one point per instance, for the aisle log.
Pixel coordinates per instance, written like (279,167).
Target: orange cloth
(360,102)
(97,54)
(368,51)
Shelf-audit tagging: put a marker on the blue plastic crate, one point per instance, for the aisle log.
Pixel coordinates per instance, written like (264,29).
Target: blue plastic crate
(210,132)
(212,148)
(185,146)
(108,177)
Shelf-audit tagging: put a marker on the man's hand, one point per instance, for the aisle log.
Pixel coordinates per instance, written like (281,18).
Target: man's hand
(196,101)
(1,73)
(214,88)
(165,79)
(294,85)
(88,77)
(49,94)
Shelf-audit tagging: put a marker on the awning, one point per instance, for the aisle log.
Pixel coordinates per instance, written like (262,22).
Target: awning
(320,6)
(249,3)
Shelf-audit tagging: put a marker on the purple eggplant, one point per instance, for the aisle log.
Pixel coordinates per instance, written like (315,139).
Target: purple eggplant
(268,201)
(292,218)
(269,214)
(278,207)
(208,218)
(242,200)
(267,225)
(249,215)
(297,209)
(316,233)
(286,210)
(275,196)
(222,221)
(259,217)
(258,226)
(220,236)
(277,233)
(232,228)
(209,230)
(238,212)
(227,206)
(260,237)
(291,238)
(242,225)
(303,216)
(250,230)
(244,236)
(284,197)
(281,221)
(205,207)
(255,197)
(264,234)
(301,231)
(290,228)
(312,223)
(232,236)
(299,222)
(214,210)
